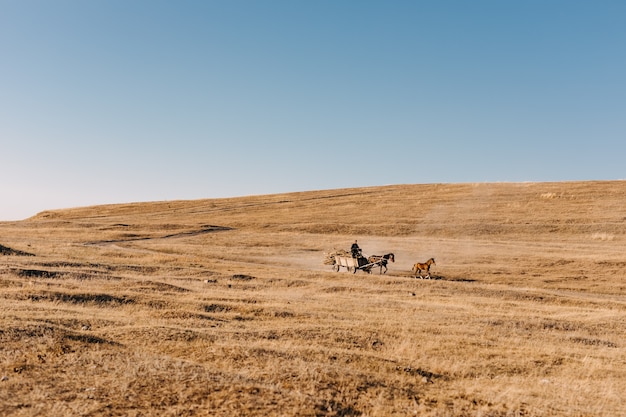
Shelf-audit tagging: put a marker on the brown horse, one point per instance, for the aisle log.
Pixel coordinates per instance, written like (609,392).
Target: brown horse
(419,267)
(381,260)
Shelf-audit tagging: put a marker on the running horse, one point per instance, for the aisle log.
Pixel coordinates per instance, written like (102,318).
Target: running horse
(381,260)
(419,267)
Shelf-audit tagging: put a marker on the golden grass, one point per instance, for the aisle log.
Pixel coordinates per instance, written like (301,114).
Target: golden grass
(225,307)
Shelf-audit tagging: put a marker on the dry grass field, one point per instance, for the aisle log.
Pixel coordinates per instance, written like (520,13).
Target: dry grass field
(224,307)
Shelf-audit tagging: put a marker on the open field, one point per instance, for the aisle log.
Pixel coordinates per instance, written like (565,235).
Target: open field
(225,307)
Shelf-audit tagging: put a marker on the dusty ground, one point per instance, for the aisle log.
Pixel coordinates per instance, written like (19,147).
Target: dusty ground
(225,307)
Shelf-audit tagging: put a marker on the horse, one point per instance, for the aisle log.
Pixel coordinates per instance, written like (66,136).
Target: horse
(419,267)
(381,260)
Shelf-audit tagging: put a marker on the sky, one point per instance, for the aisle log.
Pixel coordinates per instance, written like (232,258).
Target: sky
(115,101)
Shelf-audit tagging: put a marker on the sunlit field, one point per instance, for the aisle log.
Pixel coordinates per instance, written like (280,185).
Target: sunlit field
(226,307)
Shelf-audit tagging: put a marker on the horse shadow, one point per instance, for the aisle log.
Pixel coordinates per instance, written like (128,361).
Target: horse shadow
(434,277)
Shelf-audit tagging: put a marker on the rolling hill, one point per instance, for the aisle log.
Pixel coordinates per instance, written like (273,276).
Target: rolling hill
(226,307)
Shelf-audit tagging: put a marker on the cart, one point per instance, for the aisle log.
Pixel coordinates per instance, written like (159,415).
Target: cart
(354,264)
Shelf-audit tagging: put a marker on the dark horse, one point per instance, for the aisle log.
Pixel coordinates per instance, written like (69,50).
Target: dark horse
(381,260)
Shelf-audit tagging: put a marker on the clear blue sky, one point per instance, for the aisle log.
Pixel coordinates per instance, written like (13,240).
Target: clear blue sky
(121,101)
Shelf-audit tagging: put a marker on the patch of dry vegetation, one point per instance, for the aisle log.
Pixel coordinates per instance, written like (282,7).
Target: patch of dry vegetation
(226,306)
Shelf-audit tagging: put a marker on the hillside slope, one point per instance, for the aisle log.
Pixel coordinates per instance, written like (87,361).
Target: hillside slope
(436,210)
(225,306)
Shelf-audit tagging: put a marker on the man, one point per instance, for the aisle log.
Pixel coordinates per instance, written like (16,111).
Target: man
(356,251)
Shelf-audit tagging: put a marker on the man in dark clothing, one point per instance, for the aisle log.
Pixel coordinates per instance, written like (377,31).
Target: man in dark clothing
(355,250)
